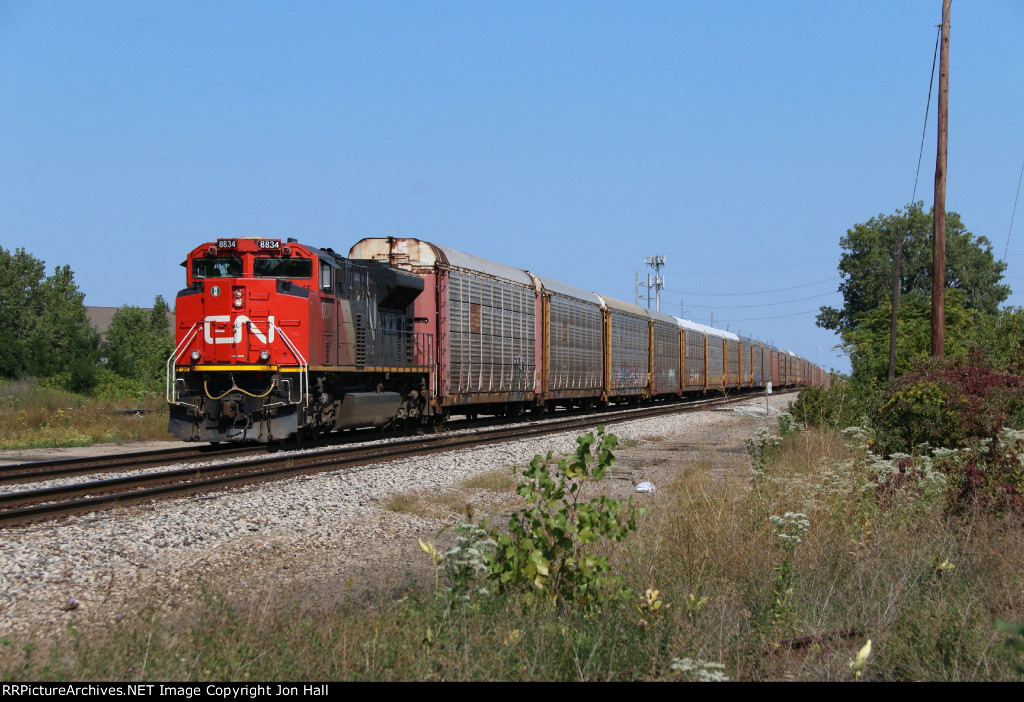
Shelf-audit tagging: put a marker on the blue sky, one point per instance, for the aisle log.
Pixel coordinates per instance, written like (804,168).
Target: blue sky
(739,139)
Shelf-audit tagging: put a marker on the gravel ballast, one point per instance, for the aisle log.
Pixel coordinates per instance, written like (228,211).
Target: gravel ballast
(323,532)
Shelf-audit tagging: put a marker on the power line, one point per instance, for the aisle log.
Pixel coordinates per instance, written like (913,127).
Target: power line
(764,304)
(1014,213)
(758,319)
(927,107)
(760,268)
(759,292)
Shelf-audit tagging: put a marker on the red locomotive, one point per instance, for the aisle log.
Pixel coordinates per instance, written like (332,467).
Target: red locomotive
(277,339)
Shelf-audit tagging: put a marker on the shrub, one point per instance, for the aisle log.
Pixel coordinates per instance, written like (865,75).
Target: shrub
(833,408)
(947,404)
(549,549)
(988,472)
(111,386)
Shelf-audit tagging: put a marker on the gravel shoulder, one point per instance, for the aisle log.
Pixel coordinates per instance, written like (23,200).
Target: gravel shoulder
(329,534)
(12,457)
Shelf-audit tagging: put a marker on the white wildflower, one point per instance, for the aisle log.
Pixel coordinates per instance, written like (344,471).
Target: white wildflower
(700,670)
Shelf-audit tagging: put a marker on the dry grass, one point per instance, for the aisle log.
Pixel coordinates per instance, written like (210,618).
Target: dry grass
(812,448)
(493,481)
(436,505)
(865,569)
(404,503)
(35,417)
(862,571)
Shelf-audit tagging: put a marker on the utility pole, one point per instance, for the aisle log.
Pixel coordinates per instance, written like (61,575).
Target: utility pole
(895,301)
(939,242)
(655,262)
(636,289)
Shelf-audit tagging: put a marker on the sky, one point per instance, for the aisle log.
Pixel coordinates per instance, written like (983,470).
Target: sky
(739,139)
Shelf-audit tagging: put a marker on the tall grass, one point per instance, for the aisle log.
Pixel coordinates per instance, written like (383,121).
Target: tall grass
(892,566)
(32,416)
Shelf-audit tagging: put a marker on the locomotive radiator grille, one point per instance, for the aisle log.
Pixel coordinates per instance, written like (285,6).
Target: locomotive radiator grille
(360,341)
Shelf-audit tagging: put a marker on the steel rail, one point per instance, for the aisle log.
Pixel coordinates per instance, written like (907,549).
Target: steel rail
(33,505)
(64,467)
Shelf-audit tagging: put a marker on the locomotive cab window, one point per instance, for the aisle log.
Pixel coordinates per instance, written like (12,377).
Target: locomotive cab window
(216,268)
(326,282)
(267,267)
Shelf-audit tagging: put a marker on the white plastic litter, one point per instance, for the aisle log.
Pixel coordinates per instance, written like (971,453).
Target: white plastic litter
(646,487)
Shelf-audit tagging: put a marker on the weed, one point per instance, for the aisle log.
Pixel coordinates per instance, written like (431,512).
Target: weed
(404,503)
(699,670)
(492,481)
(549,547)
(881,555)
(33,416)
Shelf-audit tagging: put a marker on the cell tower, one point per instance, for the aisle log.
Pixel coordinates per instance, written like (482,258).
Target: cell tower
(655,262)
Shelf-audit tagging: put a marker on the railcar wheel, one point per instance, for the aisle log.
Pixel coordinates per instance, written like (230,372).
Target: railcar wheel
(438,420)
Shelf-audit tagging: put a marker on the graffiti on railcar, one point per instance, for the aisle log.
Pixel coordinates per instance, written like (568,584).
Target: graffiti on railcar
(518,372)
(628,376)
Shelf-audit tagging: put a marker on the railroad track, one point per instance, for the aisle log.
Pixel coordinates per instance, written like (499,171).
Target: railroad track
(17,508)
(34,471)
(66,467)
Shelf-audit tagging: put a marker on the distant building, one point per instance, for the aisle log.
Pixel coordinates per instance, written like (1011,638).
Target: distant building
(100,318)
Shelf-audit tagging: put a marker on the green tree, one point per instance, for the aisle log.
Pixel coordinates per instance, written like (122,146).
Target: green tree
(44,329)
(867,341)
(866,266)
(20,277)
(1001,338)
(138,342)
(64,329)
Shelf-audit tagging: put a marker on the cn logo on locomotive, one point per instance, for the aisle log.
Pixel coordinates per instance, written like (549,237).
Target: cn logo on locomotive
(241,321)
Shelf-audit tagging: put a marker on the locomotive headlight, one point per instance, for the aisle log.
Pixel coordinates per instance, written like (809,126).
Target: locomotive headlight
(238,302)
(238,292)
(195,355)
(264,355)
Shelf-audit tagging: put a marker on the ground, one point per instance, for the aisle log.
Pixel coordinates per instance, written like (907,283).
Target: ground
(332,535)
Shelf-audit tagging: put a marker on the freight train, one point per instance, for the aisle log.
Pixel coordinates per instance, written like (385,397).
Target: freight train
(277,340)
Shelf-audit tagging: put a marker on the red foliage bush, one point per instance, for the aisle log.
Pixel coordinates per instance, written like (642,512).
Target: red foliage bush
(961,404)
(947,403)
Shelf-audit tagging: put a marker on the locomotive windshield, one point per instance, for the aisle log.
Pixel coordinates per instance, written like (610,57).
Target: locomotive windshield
(216,268)
(266,267)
